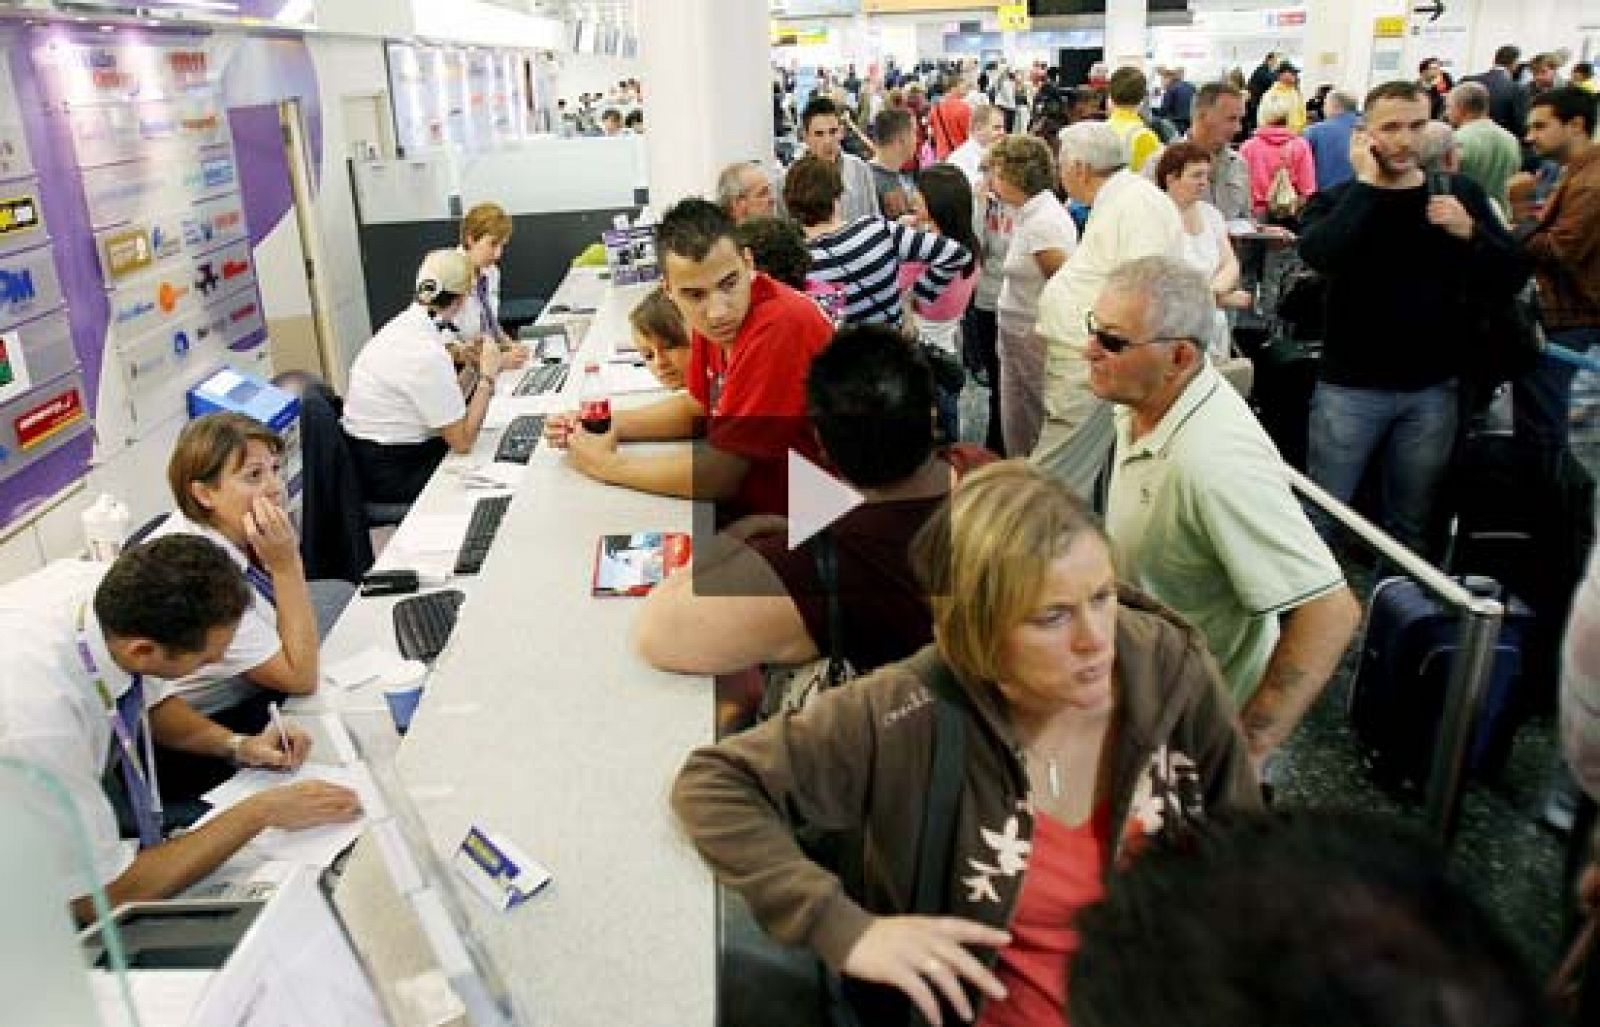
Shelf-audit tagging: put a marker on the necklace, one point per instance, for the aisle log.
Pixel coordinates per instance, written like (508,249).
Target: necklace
(1052,772)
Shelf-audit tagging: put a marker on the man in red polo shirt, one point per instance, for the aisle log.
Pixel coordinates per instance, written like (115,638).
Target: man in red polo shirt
(753,343)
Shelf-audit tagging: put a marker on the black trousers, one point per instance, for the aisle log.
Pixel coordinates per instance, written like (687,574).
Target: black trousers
(395,474)
(980,332)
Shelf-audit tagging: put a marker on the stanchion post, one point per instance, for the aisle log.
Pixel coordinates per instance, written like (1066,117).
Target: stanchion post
(1464,696)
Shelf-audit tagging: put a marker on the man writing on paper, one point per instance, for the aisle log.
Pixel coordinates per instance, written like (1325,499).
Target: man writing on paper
(753,340)
(83,644)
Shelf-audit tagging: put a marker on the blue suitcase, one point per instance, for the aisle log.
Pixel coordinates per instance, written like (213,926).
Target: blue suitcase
(1408,648)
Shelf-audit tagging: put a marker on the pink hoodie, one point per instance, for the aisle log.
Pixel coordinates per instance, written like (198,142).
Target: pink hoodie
(1273,147)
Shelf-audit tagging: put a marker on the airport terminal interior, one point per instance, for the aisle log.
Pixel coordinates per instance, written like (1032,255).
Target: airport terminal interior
(768,512)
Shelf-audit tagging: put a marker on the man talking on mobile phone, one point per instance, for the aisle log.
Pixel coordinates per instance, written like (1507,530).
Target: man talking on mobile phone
(1392,357)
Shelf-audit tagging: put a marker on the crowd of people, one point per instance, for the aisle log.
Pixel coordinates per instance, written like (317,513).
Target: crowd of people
(1151,535)
(1015,711)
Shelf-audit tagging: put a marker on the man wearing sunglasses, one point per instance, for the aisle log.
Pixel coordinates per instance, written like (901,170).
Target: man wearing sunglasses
(1198,507)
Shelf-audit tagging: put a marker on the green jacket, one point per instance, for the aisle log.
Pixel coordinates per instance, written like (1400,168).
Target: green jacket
(858,760)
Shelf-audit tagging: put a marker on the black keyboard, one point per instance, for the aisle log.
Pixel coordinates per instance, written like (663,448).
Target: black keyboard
(542,380)
(422,624)
(481,530)
(519,440)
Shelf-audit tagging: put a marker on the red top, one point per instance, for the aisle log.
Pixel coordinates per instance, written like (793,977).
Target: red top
(755,390)
(951,122)
(1066,868)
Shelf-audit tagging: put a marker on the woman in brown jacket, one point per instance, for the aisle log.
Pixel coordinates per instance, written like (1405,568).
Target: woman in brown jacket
(1094,719)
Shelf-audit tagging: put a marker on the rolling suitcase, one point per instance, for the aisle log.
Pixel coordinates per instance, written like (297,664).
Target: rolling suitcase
(1408,648)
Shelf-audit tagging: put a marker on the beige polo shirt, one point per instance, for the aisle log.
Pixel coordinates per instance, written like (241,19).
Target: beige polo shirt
(1201,516)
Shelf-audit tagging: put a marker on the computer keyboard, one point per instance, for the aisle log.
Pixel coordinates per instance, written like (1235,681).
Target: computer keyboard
(422,624)
(542,380)
(486,517)
(519,440)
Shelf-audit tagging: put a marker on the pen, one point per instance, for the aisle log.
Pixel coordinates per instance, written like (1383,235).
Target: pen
(283,734)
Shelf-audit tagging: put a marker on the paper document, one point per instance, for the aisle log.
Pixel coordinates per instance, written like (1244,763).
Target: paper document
(167,997)
(622,379)
(370,664)
(316,846)
(432,533)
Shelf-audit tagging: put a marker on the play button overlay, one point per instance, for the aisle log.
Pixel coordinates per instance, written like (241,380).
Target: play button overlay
(816,499)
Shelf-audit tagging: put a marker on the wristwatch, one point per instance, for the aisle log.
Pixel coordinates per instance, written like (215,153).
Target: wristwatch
(235,743)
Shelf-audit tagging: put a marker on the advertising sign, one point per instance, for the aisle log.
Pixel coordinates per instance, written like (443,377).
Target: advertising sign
(49,418)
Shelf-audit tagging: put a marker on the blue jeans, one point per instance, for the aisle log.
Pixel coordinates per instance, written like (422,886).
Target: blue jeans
(1417,431)
(1541,400)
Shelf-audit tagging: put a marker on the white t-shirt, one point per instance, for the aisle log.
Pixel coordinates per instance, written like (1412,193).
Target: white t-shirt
(469,320)
(403,387)
(967,157)
(217,686)
(52,717)
(1203,250)
(1131,218)
(1040,224)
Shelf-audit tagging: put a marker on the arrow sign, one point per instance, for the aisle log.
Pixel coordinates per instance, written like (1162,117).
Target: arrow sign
(816,499)
(1435,10)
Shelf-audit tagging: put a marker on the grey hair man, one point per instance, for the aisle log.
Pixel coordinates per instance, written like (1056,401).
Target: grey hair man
(1438,153)
(1330,139)
(1198,506)
(988,124)
(745,191)
(1129,218)
(1489,154)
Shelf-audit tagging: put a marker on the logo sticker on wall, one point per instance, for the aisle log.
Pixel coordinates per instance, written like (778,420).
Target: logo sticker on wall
(18,214)
(127,251)
(53,416)
(13,367)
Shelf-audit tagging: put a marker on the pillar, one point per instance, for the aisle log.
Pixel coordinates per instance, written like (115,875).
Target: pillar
(1127,33)
(707,93)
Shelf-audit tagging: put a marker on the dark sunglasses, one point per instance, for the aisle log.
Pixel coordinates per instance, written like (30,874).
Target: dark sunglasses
(1113,343)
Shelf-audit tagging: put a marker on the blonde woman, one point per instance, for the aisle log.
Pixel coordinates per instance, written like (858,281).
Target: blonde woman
(1092,718)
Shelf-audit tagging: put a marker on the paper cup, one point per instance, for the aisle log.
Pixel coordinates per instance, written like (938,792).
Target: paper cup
(403,692)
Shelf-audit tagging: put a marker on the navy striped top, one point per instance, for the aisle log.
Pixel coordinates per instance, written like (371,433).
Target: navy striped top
(864,258)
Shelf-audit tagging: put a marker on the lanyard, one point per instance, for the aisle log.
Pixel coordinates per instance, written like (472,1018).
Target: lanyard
(143,792)
(263,584)
(485,316)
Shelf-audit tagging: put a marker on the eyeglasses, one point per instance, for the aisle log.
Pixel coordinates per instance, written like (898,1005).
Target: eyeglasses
(1113,343)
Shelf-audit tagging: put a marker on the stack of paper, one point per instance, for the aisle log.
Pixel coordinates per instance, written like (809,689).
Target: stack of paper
(622,379)
(371,665)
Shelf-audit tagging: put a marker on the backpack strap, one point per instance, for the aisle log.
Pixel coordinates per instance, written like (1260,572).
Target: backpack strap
(826,556)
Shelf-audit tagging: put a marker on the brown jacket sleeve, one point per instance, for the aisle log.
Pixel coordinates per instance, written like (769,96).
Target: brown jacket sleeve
(742,802)
(1230,781)
(1571,239)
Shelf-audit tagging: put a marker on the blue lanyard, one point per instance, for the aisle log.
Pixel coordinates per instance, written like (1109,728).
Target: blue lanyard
(485,316)
(263,584)
(126,716)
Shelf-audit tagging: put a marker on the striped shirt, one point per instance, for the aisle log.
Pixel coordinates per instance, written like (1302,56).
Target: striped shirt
(864,258)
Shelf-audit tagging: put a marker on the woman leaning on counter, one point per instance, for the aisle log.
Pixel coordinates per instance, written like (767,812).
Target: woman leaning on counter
(1094,719)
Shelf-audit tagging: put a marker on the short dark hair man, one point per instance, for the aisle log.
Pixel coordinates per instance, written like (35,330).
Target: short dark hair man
(894,136)
(753,600)
(752,340)
(822,130)
(1217,114)
(1304,917)
(87,650)
(1564,245)
(1391,360)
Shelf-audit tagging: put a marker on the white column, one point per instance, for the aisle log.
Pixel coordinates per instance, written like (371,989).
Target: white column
(1127,33)
(707,93)
(1339,43)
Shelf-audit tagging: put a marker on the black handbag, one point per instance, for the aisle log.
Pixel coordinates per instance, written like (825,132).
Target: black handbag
(948,373)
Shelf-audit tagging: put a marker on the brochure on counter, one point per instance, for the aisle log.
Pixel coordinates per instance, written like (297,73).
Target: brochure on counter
(631,565)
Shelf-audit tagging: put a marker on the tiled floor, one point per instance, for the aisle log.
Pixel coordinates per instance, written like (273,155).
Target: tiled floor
(1502,849)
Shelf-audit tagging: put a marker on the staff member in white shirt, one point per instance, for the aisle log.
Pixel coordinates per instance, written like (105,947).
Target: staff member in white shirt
(406,407)
(485,231)
(225,478)
(83,644)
